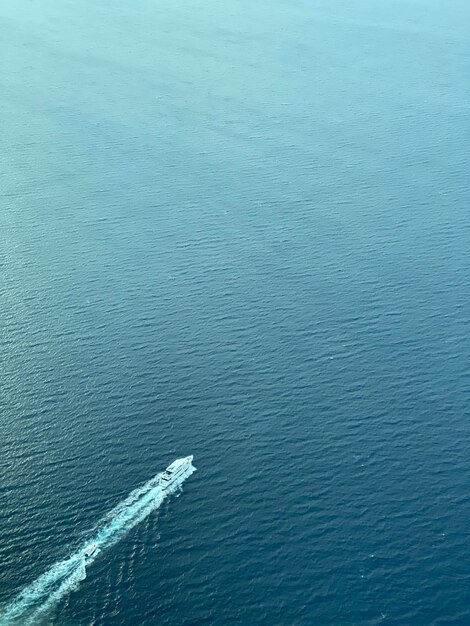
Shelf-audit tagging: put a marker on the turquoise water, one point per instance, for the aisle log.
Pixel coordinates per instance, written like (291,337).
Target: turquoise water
(239,231)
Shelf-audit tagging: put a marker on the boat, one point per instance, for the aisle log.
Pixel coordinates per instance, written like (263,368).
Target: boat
(91,549)
(175,471)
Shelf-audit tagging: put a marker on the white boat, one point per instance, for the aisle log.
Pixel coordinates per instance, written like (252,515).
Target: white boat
(91,549)
(175,471)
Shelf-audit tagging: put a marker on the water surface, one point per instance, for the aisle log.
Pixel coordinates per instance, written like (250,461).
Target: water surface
(241,231)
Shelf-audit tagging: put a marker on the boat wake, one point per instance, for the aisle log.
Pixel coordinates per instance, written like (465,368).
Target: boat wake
(45,592)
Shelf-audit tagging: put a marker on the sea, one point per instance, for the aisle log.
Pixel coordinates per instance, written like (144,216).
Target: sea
(239,231)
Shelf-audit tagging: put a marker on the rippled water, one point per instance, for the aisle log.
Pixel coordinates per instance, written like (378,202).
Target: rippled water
(239,231)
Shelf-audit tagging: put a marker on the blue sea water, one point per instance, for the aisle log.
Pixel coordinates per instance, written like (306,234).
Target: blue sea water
(239,231)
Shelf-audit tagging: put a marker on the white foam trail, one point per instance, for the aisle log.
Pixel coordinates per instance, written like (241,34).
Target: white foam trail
(64,576)
(69,584)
